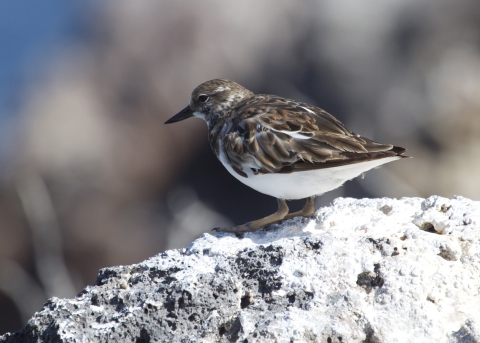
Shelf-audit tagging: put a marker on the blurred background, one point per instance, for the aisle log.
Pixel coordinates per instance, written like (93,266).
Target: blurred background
(90,177)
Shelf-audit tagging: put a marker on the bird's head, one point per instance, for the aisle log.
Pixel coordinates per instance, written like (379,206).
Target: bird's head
(212,100)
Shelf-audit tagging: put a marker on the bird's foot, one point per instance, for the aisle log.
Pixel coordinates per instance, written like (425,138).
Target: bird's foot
(260,223)
(306,211)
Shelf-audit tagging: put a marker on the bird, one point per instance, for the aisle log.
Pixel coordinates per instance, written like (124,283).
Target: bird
(281,147)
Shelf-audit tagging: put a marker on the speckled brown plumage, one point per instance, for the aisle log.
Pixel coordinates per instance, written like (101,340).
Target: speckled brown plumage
(259,130)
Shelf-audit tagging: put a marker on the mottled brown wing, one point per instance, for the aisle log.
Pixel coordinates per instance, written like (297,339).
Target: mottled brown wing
(275,135)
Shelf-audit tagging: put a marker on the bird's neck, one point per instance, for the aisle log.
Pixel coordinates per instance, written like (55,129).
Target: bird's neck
(217,129)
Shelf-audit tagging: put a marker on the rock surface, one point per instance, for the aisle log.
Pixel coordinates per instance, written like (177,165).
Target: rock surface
(370,270)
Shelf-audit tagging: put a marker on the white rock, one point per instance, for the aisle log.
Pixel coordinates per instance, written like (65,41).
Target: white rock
(369,270)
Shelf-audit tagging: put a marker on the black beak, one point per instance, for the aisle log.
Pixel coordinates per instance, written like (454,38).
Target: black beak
(182,115)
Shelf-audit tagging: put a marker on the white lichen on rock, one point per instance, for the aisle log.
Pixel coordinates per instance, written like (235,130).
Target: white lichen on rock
(369,270)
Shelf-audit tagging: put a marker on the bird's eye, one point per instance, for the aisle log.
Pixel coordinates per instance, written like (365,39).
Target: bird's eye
(203,98)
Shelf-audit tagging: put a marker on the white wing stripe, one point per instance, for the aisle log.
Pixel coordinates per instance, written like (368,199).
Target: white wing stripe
(294,134)
(306,109)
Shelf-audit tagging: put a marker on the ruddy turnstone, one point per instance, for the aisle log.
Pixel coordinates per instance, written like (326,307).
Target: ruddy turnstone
(281,147)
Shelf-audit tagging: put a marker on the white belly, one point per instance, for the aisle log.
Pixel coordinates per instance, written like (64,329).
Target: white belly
(300,185)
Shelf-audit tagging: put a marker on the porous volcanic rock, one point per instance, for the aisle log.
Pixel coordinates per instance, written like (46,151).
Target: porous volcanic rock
(369,270)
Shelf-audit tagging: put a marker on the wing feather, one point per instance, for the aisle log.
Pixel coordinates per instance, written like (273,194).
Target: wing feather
(282,135)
